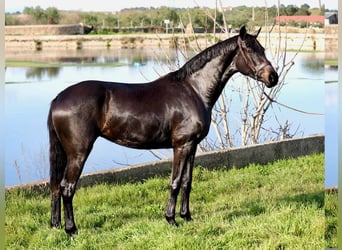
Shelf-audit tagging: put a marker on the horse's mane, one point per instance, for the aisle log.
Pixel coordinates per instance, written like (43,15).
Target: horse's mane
(197,62)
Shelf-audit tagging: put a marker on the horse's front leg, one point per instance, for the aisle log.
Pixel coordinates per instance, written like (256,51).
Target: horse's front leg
(180,164)
(186,186)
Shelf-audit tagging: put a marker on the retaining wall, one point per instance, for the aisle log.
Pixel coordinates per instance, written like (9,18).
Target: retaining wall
(331,40)
(36,30)
(236,157)
(291,41)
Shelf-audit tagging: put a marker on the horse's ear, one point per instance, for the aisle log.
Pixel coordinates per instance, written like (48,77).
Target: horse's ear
(243,32)
(257,33)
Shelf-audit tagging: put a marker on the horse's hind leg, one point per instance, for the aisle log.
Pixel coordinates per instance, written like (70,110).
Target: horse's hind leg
(77,147)
(68,187)
(55,203)
(57,167)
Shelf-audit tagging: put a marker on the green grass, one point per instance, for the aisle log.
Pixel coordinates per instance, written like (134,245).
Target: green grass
(331,206)
(274,206)
(331,62)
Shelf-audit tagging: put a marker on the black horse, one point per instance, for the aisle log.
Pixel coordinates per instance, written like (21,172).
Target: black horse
(173,111)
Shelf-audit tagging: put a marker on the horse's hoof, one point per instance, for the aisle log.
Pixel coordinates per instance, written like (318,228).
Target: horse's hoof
(172,222)
(186,217)
(72,232)
(57,225)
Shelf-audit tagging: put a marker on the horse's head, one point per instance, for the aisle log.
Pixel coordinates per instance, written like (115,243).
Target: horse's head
(251,59)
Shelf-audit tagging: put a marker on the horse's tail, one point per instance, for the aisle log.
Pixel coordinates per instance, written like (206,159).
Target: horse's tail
(58,158)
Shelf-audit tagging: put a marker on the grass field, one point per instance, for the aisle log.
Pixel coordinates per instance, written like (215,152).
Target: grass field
(331,206)
(274,206)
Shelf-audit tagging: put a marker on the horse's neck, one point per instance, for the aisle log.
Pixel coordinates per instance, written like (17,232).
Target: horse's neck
(211,79)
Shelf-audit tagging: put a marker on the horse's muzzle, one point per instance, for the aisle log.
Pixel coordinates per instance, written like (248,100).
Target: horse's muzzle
(268,75)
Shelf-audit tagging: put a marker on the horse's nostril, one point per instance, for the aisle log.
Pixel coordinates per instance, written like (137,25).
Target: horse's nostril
(273,78)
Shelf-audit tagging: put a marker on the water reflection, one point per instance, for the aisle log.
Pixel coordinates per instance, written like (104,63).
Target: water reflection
(54,60)
(313,63)
(40,73)
(310,62)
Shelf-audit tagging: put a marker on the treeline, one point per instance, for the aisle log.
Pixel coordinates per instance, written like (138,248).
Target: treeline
(204,18)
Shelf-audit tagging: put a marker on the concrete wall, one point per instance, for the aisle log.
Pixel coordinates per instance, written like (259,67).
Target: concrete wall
(290,41)
(47,42)
(236,157)
(331,40)
(36,30)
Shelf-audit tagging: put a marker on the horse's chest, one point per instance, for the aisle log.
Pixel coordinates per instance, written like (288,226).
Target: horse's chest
(191,125)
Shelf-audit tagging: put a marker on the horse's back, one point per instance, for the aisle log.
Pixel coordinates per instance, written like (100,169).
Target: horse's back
(80,91)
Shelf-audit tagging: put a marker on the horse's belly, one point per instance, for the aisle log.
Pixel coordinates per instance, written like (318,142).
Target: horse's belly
(140,135)
(142,144)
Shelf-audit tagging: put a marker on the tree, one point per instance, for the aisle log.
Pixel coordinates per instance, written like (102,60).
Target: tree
(172,15)
(304,10)
(38,15)
(305,6)
(49,16)
(89,19)
(291,10)
(111,21)
(52,15)
(200,20)
(28,10)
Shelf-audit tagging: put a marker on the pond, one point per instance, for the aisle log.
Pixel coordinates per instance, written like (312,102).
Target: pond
(29,91)
(331,127)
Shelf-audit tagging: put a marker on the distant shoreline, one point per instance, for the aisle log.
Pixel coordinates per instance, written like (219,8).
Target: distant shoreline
(290,41)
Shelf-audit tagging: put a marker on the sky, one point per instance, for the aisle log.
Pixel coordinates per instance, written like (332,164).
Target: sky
(105,5)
